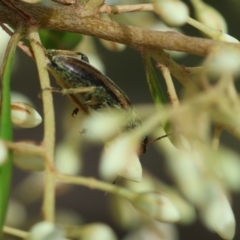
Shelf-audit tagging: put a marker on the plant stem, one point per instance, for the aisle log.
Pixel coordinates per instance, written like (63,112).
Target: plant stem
(5,122)
(93,183)
(15,232)
(49,126)
(170,86)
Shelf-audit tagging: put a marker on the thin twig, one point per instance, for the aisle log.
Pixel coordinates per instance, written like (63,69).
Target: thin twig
(15,232)
(117,9)
(233,95)
(18,232)
(216,137)
(49,126)
(25,147)
(178,71)
(93,183)
(213,33)
(170,86)
(194,70)
(21,44)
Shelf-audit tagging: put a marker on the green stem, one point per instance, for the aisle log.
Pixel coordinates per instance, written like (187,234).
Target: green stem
(5,124)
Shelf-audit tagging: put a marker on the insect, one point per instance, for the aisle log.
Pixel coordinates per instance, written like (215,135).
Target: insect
(73,71)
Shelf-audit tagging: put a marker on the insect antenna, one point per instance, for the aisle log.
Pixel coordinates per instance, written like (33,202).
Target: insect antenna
(156,139)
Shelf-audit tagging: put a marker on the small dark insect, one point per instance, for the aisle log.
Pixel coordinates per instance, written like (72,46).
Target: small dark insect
(91,89)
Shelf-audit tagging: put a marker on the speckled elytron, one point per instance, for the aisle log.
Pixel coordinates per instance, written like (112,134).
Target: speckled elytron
(72,71)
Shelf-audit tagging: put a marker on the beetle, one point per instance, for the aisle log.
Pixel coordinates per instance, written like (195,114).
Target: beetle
(73,72)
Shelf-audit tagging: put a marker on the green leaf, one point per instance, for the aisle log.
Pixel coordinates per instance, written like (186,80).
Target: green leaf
(155,87)
(6,126)
(52,39)
(153,82)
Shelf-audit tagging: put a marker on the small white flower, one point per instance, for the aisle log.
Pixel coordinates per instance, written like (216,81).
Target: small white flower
(67,159)
(133,169)
(120,158)
(19,97)
(13,219)
(28,161)
(123,212)
(185,168)
(228,166)
(173,13)
(149,183)
(3,153)
(24,115)
(34,184)
(46,230)
(156,206)
(217,213)
(103,125)
(4,38)
(223,61)
(154,231)
(209,16)
(97,231)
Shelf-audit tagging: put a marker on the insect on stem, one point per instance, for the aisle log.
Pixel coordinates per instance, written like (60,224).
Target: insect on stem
(91,90)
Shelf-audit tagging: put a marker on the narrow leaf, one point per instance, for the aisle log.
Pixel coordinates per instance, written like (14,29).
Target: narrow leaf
(153,82)
(6,126)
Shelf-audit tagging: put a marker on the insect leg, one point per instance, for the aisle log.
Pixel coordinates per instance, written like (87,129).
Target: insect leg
(96,98)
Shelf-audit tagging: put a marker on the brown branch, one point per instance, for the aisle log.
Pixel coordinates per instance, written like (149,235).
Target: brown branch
(21,44)
(69,18)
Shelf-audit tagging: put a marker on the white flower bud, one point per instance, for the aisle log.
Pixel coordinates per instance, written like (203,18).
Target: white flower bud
(13,219)
(223,61)
(209,16)
(4,38)
(123,212)
(188,175)
(156,206)
(228,168)
(45,230)
(133,169)
(34,184)
(24,115)
(29,161)
(173,13)
(103,125)
(120,158)
(19,97)
(3,153)
(97,231)
(67,159)
(149,183)
(217,213)
(154,231)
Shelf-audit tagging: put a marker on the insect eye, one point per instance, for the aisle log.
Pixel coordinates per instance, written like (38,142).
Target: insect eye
(83,57)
